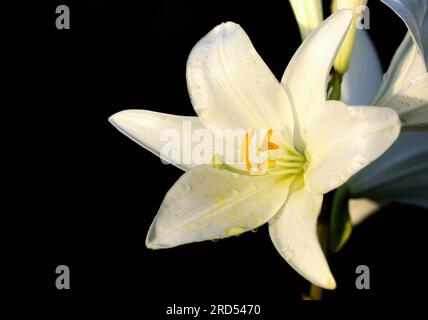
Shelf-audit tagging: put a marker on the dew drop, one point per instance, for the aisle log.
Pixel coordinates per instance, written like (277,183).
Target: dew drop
(234,231)
(289,255)
(298,218)
(236,192)
(187,187)
(255,230)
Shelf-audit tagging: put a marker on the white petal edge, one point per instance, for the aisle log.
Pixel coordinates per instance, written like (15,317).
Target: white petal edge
(208,203)
(294,233)
(154,130)
(361,209)
(413,13)
(406,157)
(425,37)
(231,87)
(411,103)
(364,76)
(307,74)
(406,65)
(341,140)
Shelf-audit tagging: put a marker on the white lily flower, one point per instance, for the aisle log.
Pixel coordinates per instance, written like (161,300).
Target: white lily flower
(309,15)
(405,85)
(400,175)
(316,145)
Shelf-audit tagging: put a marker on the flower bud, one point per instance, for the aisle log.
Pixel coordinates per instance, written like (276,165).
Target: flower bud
(343,59)
(308,14)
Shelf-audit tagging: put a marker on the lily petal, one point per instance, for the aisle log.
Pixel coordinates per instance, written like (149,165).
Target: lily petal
(208,203)
(148,127)
(342,140)
(406,65)
(364,76)
(412,12)
(425,37)
(411,103)
(232,88)
(307,74)
(400,174)
(294,233)
(361,209)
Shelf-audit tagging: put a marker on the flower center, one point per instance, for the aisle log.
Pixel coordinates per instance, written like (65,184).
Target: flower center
(268,157)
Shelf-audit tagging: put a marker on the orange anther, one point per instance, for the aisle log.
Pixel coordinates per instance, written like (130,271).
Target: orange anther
(271,163)
(267,145)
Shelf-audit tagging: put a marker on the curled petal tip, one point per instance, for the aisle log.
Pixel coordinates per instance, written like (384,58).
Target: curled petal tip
(325,280)
(153,240)
(116,118)
(226,25)
(331,284)
(112,119)
(154,244)
(151,246)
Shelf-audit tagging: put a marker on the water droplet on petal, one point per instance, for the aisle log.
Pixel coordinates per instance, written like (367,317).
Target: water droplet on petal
(289,255)
(255,230)
(234,231)
(187,187)
(236,192)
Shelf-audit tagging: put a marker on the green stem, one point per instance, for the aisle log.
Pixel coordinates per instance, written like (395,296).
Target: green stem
(315,292)
(334,86)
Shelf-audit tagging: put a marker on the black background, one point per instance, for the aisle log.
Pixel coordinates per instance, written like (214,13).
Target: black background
(77,192)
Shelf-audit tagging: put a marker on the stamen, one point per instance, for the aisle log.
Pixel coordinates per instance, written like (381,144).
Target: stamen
(290,163)
(247,153)
(292,171)
(292,159)
(245,149)
(271,163)
(265,165)
(267,145)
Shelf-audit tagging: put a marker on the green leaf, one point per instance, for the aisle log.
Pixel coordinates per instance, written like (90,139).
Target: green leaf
(340,222)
